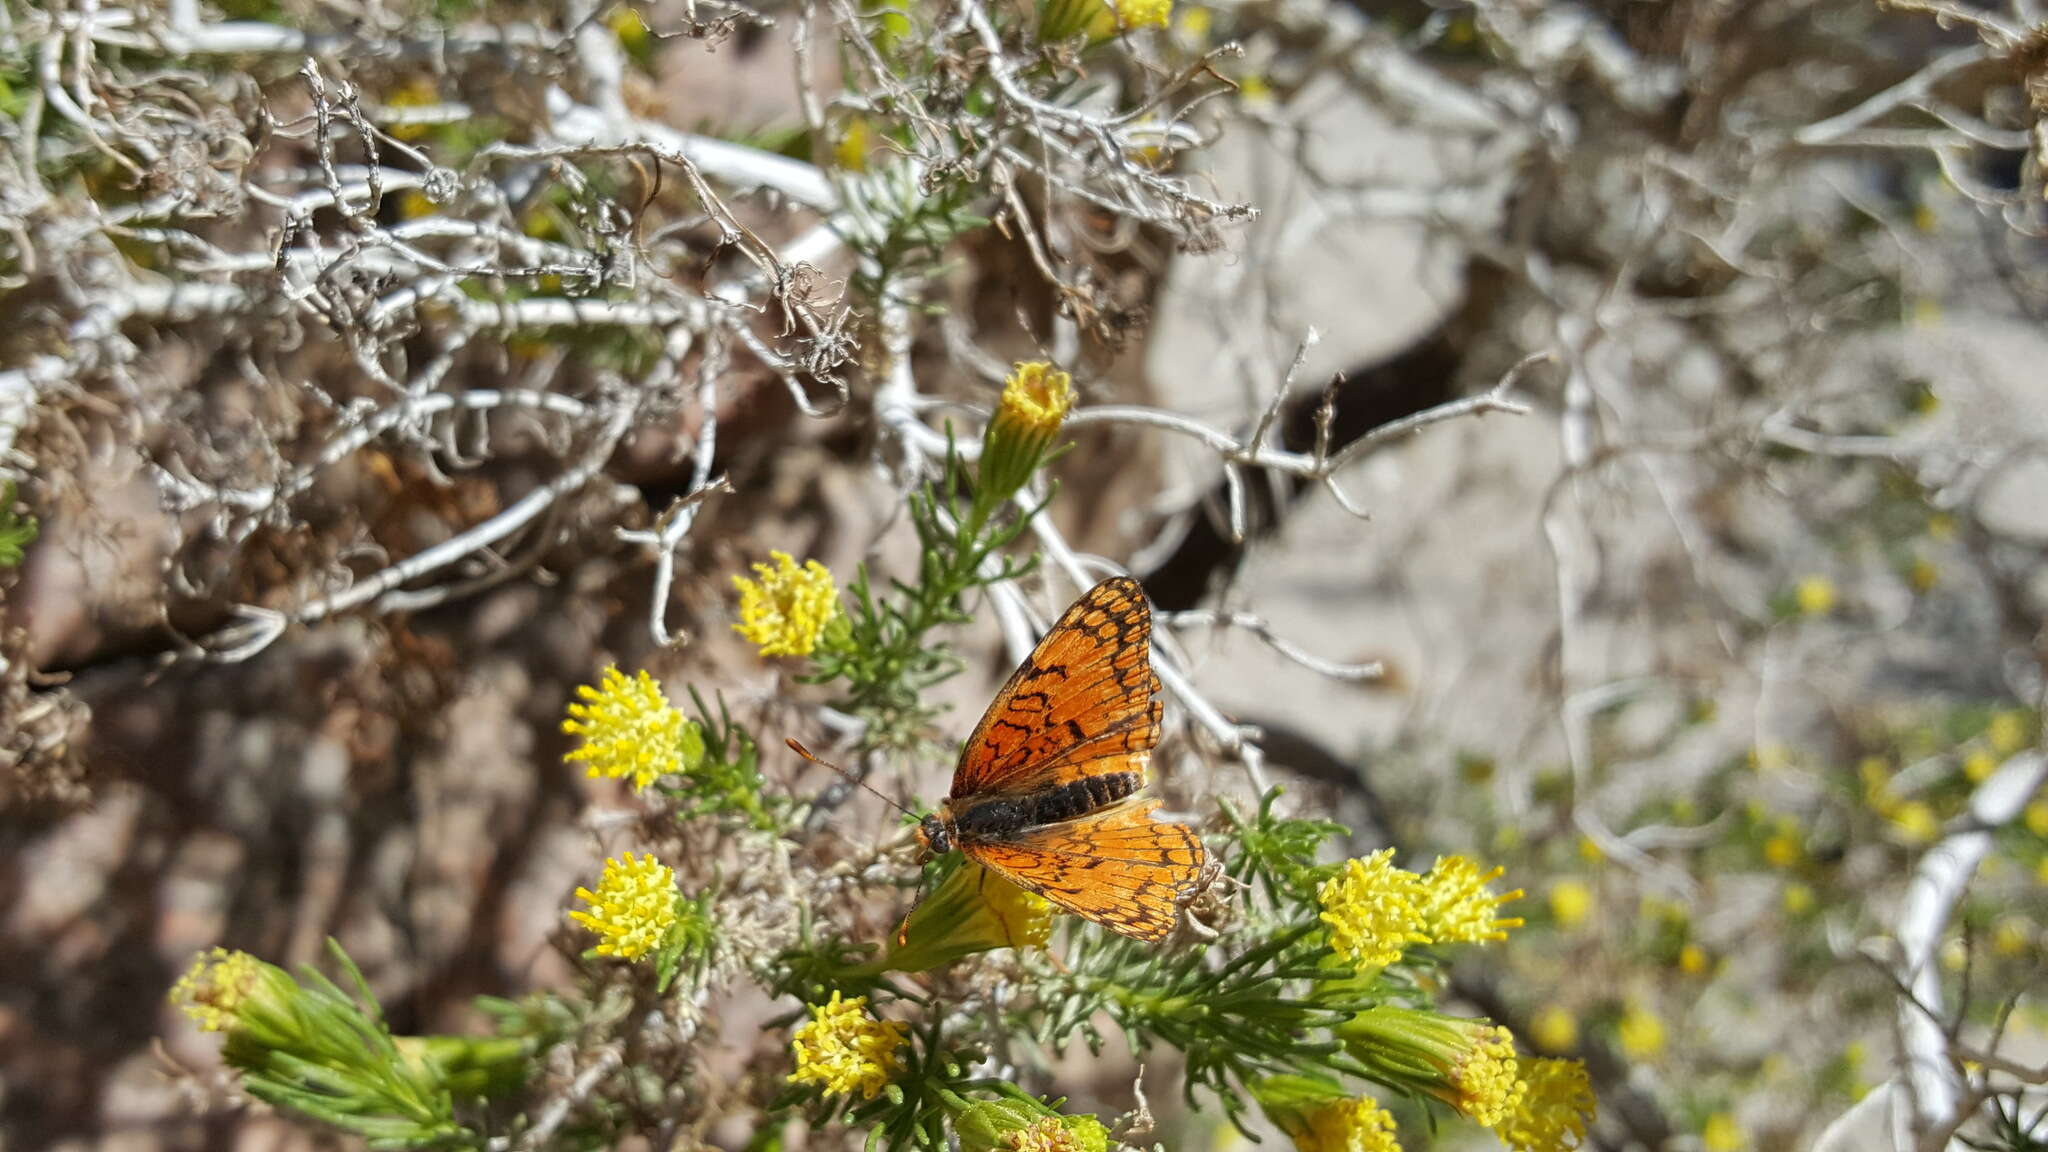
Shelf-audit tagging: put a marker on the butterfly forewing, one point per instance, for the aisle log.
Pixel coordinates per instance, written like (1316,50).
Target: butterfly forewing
(1085,696)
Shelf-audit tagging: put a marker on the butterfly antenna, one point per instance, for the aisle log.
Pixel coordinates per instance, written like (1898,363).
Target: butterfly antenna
(806,753)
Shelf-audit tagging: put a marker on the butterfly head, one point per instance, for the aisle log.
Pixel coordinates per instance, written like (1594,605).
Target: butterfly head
(934,835)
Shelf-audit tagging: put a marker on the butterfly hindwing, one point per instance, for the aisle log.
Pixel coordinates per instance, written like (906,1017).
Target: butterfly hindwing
(1118,867)
(1085,697)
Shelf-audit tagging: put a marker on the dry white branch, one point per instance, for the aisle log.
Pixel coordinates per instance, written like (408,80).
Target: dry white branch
(1929,1068)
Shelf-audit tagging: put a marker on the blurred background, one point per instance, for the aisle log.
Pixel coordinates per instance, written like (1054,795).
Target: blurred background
(1604,439)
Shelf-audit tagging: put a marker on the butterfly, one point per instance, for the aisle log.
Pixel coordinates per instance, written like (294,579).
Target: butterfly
(1046,791)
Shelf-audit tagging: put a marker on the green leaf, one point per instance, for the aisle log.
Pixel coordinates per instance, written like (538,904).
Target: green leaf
(17,530)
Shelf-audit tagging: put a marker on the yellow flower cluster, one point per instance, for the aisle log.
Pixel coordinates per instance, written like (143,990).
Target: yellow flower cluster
(1359,1125)
(1723,1133)
(1555,1110)
(1019,437)
(972,910)
(1641,1033)
(1555,1029)
(1061,1134)
(633,908)
(216,986)
(1570,903)
(1814,596)
(842,1049)
(1375,910)
(1488,1080)
(1469,1064)
(1099,20)
(786,610)
(1459,907)
(1024,919)
(629,730)
(1143,13)
(2009,731)
(1036,398)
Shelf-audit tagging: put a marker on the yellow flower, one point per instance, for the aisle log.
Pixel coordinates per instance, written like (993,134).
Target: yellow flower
(1061,1134)
(1692,960)
(2011,936)
(1062,20)
(1359,1125)
(1641,1033)
(1468,1064)
(1253,88)
(2009,731)
(1373,910)
(1489,1081)
(1458,907)
(851,153)
(1037,397)
(1143,13)
(633,908)
(1555,1030)
(1814,595)
(1877,786)
(1590,850)
(786,612)
(1941,526)
(842,1049)
(1916,822)
(1554,1112)
(2036,818)
(1782,849)
(630,27)
(214,989)
(1979,765)
(1723,1134)
(1570,903)
(2041,871)
(419,92)
(1798,899)
(1013,1125)
(972,910)
(628,729)
(1019,437)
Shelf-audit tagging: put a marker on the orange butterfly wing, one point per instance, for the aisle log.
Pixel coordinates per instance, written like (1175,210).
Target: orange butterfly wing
(1081,705)
(1118,867)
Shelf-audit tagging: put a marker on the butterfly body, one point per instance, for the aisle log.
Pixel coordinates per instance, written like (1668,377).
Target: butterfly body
(997,820)
(1045,794)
